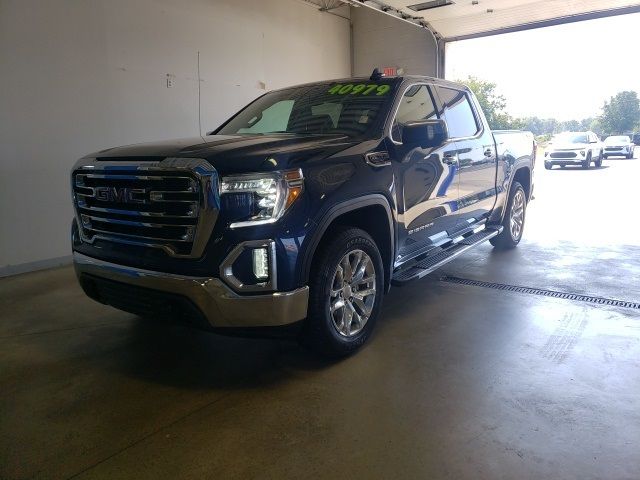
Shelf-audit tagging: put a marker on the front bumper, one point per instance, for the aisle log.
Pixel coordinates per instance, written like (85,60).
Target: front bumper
(217,303)
(564,160)
(617,152)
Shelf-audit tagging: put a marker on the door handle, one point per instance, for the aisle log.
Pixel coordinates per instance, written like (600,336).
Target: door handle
(488,153)
(450,159)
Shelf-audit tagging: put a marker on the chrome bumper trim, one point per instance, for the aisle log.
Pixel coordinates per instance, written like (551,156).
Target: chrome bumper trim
(220,305)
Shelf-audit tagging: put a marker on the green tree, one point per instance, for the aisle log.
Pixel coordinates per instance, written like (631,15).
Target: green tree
(596,126)
(621,113)
(585,123)
(493,104)
(570,126)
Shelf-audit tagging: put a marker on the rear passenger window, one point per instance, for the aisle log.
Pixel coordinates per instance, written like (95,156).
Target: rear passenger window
(416,104)
(458,113)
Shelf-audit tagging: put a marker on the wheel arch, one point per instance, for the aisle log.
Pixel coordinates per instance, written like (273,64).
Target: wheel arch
(365,213)
(523,176)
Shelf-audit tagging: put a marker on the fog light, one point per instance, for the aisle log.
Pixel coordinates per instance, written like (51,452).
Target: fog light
(261,263)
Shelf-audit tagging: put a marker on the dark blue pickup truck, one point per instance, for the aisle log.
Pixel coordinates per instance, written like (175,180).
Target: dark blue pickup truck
(298,214)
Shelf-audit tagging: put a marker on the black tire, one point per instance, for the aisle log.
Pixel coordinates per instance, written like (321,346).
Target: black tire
(598,161)
(587,162)
(320,332)
(548,166)
(605,156)
(506,239)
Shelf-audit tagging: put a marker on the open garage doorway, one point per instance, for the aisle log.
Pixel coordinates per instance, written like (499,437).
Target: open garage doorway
(578,77)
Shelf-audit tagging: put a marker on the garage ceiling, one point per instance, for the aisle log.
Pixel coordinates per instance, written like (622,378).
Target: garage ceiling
(461,19)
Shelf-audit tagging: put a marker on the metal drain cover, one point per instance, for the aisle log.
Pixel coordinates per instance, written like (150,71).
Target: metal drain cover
(541,292)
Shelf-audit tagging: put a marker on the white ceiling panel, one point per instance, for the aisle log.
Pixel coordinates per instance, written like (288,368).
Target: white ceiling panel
(466,18)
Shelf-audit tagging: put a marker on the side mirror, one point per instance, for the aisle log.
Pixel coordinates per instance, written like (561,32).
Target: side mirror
(425,133)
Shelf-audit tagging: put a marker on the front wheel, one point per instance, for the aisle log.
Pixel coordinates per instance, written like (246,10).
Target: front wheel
(513,222)
(587,162)
(345,295)
(599,160)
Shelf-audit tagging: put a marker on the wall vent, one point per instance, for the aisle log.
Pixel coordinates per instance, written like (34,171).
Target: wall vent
(418,7)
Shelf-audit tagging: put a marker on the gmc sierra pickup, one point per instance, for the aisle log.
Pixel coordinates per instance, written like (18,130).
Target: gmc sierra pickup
(302,209)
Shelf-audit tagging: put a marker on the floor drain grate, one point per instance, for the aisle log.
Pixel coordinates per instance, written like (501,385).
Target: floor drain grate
(544,293)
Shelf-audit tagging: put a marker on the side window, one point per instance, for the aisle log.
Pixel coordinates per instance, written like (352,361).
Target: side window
(458,113)
(273,119)
(416,104)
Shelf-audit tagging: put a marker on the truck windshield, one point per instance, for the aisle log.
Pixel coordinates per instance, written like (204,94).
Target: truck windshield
(617,140)
(350,109)
(572,138)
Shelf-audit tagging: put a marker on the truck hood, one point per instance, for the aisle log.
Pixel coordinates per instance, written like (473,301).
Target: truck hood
(236,153)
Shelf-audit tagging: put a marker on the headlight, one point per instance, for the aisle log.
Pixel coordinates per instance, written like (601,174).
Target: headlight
(583,153)
(266,196)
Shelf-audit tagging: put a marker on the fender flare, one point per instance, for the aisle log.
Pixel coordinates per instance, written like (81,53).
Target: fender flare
(517,167)
(341,209)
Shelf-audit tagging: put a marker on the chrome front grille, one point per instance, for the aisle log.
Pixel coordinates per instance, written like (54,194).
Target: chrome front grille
(171,204)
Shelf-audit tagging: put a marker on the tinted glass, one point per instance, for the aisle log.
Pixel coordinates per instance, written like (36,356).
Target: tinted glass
(572,138)
(621,140)
(458,113)
(416,104)
(320,109)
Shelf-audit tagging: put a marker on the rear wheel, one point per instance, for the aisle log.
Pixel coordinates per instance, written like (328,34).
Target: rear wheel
(345,294)
(513,222)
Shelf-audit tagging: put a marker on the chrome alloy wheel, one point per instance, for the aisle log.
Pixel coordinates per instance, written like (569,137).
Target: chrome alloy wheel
(517,215)
(353,293)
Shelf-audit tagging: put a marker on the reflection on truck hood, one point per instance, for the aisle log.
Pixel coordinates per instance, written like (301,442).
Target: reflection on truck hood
(237,153)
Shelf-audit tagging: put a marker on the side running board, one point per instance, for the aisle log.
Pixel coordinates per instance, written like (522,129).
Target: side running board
(446,254)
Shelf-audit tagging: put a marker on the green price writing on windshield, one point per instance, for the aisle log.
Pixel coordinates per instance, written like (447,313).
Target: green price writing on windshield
(360,89)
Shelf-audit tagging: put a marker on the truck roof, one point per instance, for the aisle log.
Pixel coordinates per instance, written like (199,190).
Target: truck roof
(393,79)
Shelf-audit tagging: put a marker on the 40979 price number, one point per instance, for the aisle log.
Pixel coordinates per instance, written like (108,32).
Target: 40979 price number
(359,89)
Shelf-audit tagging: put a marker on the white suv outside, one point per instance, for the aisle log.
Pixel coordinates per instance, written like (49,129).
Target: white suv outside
(574,148)
(618,146)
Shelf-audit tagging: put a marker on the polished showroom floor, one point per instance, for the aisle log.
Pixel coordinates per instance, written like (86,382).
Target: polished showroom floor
(459,381)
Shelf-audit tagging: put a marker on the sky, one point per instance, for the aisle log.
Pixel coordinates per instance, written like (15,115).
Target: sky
(563,72)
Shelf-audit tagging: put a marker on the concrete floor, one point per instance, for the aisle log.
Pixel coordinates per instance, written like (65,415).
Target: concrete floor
(458,381)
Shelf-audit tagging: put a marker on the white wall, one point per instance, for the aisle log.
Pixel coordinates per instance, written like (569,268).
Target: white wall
(380,40)
(77,76)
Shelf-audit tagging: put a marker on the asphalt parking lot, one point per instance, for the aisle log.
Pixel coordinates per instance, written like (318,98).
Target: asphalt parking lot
(459,381)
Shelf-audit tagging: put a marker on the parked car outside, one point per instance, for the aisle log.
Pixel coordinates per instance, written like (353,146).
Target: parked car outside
(618,146)
(574,148)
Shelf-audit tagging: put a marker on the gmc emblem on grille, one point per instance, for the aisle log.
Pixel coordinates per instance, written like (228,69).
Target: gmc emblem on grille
(119,195)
